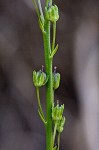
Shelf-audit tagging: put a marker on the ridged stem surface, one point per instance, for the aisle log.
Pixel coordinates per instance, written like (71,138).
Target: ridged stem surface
(49,85)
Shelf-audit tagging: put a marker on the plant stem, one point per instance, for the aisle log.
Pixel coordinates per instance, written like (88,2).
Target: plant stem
(36,7)
(54,134)
(54,35)
(40,8)
(39,102)
(51,79)
(58,141)
(49,86)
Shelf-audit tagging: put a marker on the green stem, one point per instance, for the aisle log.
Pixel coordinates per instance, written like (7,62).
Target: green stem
(49,86)
(39,103)
(58,141)
(54,134)
(40,8)
(42,118)
(35,5)
(54,35)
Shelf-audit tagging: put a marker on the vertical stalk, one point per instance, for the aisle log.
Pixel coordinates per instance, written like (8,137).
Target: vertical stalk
(58,141)
(54,133)
(39,102)
(40,7)
(54,35)
(51,16)
(49,85)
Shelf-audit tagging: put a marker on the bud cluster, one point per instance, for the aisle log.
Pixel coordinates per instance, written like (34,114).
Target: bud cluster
(51,13)
(58,118)
(57,112)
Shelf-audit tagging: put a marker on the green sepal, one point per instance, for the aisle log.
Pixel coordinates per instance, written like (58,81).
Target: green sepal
(56,80)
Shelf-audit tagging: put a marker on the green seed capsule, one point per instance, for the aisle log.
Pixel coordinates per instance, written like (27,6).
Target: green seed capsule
(51,13)
(39,78)
(57,112)
(56,80)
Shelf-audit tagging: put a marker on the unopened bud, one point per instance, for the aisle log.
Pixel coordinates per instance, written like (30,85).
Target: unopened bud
(57,112)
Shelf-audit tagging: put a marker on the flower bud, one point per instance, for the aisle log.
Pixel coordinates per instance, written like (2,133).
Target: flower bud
(52,14)
(57,112)
(56,80)
(60,125)
(39,78)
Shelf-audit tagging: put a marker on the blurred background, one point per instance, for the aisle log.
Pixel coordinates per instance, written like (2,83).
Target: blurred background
(21,51)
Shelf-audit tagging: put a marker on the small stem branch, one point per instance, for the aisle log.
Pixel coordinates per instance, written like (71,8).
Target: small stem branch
(42,118)
(54,134)
(54,35)
(54,52)
(58,141)
(39,102)
(40,7)
(35,5)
